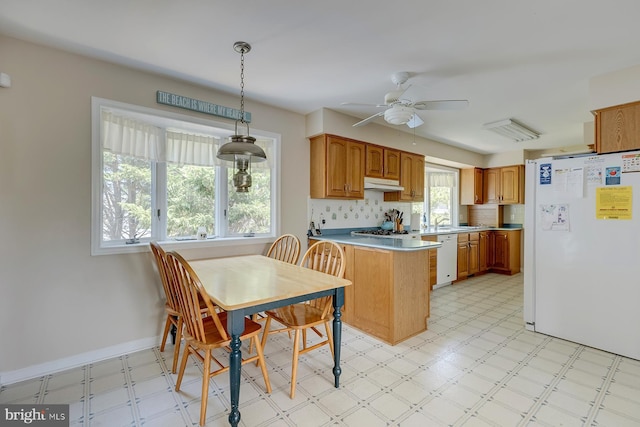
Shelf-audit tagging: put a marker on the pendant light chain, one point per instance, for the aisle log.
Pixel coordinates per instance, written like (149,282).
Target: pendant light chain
(242,85)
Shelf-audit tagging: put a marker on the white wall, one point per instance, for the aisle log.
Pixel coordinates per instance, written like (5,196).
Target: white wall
(56,300)
(615,88)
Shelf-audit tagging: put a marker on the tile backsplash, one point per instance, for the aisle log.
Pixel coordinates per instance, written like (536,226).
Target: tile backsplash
(357,213)
(514,214)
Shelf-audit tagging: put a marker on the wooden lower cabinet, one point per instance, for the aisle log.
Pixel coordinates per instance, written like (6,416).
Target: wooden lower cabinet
(495,251)
(468,254)
(483,242)
(504,247)
(433,261)
(389,298)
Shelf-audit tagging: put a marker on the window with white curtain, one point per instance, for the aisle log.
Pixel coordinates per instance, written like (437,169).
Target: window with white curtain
(156,177)
(441,195)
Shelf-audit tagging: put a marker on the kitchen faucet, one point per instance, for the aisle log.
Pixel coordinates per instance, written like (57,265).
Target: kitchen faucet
(439,220)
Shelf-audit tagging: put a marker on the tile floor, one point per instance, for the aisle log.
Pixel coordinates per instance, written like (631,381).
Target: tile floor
(475,366)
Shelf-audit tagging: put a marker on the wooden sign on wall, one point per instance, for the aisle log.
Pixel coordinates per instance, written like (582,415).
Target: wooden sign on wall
(205,107)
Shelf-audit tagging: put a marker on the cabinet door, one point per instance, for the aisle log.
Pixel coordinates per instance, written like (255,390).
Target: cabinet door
(337,156)
(510,185)
(482,251)
(433,261)
(406,171)
(618,128)
(417,178)
(491,185)
(345,168)
(474,253)
(411,178)
(391,164)
(355,170)
(463,256)
(491,249)
(463,260)
(375,161)
(501,251)
(471,188)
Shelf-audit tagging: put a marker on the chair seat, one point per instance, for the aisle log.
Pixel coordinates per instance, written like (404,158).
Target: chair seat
(299,315)
(213,337)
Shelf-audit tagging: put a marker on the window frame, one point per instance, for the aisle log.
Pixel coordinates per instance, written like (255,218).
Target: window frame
(158,192)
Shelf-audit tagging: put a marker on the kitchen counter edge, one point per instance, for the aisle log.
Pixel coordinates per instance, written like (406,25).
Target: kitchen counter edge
(458,230)
(402,245)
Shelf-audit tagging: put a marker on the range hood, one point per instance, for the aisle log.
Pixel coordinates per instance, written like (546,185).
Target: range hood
(378,184)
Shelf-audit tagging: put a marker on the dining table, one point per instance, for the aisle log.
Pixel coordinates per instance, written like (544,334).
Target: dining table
(248,284)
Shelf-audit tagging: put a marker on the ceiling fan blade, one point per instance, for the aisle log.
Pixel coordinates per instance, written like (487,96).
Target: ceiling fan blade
(450,104)
(358,104)
(415,121)
(368,119)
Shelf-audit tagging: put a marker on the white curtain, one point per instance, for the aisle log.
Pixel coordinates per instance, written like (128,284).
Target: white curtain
(190,149)
(133,137)
(440,179)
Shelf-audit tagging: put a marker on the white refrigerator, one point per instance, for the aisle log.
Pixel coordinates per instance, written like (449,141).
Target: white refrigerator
(582,250)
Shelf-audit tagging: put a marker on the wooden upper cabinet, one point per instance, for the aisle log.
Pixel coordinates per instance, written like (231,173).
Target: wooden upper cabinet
(374,161)
(411,178)
(511,181)
(504,186)
(337,168)
(391,164)
(471,187)
(618,128)
(382,162)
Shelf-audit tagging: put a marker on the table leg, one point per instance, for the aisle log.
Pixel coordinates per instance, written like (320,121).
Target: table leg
(235,326)
(338,301)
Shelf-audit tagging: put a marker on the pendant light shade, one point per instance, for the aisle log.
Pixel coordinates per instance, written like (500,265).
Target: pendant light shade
(241,145)
(241,149)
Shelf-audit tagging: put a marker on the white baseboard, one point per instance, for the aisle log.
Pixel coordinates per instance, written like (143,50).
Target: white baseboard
(35,371)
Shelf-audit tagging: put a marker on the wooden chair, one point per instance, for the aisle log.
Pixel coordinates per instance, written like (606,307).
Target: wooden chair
(172,308)
(327,257)
(286,248)
(203,334)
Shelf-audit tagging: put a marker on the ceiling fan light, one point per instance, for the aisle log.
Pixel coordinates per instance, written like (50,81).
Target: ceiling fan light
(398,114)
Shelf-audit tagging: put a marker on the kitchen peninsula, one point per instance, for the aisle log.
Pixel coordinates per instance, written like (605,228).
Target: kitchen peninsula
(389,298)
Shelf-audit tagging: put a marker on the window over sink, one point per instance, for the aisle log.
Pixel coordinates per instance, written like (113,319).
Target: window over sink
(441,196)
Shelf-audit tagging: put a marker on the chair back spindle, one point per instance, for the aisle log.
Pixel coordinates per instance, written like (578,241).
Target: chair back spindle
(191,292)
(286,248)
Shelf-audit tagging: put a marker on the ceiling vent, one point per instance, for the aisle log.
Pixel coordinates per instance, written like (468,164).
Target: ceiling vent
(511,129)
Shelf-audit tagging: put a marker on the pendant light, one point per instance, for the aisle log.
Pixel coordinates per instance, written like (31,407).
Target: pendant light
(241,149)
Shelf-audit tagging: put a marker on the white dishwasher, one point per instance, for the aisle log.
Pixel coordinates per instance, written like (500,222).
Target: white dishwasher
(447,260)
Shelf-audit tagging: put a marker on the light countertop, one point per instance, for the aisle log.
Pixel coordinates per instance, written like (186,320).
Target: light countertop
(393,244)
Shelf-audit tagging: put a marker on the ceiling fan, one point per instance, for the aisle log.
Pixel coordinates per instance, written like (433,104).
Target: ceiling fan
(401,109)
